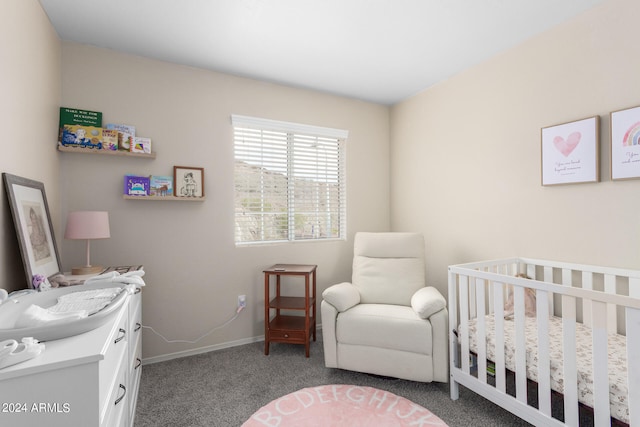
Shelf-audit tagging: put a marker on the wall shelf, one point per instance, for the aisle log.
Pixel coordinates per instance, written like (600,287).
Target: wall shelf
(165,198)
(105,152)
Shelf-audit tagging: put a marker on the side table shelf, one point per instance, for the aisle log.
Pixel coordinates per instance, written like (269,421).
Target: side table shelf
(289,328)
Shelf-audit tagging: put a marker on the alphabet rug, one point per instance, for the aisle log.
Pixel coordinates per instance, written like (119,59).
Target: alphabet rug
(342,405)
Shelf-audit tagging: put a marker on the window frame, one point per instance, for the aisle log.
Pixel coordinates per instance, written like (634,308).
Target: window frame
(295,132)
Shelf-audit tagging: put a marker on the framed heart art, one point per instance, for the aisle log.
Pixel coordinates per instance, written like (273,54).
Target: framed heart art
(570,152)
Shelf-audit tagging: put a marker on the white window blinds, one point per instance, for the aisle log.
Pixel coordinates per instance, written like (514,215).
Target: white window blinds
(289,181)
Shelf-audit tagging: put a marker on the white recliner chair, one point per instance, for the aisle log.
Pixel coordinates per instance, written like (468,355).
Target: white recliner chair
(387,321)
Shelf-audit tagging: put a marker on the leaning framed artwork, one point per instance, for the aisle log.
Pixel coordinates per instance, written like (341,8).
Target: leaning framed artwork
(188,181)
(570,152)
(625,143)
(30,212)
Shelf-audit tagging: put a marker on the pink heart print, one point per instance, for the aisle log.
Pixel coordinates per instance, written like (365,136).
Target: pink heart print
(566,147)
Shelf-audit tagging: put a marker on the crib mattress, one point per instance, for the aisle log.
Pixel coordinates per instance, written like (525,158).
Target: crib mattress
(618,389)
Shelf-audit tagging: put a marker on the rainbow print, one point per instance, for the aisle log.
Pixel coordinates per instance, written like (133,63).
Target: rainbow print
(632,135)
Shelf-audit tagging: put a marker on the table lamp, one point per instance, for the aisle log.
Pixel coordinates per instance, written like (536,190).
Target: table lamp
(87,225)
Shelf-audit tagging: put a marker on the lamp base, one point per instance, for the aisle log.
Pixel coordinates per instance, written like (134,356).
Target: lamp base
(91,269)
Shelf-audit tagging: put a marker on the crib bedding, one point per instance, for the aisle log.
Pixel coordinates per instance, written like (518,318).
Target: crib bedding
(617,362)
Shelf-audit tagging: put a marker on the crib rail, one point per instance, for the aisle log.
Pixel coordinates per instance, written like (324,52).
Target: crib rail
(607,300)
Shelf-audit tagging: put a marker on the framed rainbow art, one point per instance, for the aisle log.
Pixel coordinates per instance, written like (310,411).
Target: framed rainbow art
(625,143)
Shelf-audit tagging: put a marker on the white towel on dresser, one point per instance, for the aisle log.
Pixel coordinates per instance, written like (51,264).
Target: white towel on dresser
(35,315)
(71,306)
(91,301)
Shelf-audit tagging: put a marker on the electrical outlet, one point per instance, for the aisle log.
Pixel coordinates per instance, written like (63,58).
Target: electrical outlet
(242,301)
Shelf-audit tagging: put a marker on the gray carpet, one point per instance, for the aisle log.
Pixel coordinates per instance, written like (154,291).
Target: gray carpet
(225,387)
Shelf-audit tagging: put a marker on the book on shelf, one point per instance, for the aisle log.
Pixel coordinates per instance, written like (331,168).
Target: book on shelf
(126,133)
(81,136)
(109,139)
(160,185)
(131,130)
(140,144)
(136,185)
(75,116)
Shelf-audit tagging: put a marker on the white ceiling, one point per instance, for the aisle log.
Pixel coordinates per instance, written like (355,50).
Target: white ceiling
(381,51)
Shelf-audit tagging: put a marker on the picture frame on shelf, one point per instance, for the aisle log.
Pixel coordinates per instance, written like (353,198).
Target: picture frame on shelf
(625,144)
(569,152)
(188,181)
(32,221)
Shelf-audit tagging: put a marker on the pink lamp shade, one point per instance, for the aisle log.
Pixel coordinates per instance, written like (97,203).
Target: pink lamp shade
(87,225)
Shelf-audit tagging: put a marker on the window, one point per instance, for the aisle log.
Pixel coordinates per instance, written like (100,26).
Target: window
(289,181)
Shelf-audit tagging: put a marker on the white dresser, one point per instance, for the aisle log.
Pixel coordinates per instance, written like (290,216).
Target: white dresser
(90,379)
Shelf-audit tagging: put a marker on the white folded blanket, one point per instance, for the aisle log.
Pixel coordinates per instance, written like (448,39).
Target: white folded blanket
(132,277)
(71,306)
(35,315)
(91,301)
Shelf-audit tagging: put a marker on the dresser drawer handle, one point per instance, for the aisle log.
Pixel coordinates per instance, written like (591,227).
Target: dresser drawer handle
(286,335)
(137,328)
(124,392)
(121,337)
(138,363)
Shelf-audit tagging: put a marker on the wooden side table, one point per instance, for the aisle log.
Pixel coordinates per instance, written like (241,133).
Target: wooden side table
(289,328)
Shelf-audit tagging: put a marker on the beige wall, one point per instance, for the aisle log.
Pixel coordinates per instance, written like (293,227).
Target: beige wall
(466,153)
(194,270)
(30,88)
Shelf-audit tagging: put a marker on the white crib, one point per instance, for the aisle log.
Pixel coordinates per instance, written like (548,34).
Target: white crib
(575,344)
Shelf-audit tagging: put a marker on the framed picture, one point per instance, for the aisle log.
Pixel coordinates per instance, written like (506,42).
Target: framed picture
(30,211)
(625,143)
(570,152)
(188,181)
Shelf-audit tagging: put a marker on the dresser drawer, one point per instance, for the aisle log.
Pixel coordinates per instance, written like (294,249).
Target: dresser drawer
(135,325)
(115,355)
(135,373)
(116,405)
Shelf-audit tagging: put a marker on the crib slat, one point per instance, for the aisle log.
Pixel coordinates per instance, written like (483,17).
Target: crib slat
(521,350)
(472,306)
(602,412)
(463,292)
(494,269)
(569,359)
(531,271)
(481,331)
(634,287)
(501,378)
(454,357)
(544,374)
(548,277)
(610,288)
(567,279)
(587,283)
(633,354)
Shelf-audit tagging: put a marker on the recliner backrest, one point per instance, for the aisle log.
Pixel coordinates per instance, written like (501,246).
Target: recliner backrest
(388,268)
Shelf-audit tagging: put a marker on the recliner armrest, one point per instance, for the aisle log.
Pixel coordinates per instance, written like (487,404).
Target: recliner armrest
(342,296)
(427,301)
